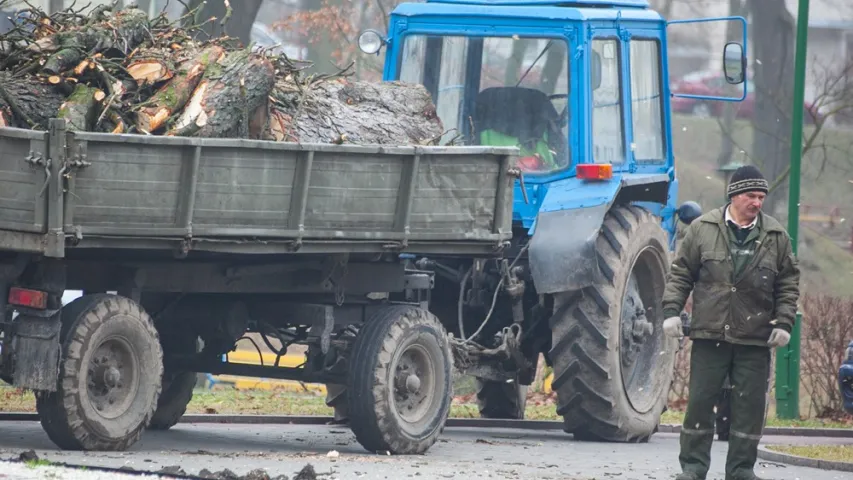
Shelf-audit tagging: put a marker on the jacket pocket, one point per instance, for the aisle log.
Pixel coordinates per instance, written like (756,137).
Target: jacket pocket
(764,277)
(715,268)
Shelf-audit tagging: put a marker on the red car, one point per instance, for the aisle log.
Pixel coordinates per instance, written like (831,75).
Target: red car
(713,83)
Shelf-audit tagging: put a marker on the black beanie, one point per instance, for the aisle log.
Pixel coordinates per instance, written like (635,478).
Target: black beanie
(747,179)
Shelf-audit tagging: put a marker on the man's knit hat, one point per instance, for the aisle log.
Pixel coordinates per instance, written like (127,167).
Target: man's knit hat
(747,179)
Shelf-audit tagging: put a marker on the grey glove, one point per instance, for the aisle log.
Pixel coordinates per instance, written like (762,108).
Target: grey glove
(672,327)
(779,338)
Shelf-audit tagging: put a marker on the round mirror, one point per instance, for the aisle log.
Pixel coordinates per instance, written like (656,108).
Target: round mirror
(370,41)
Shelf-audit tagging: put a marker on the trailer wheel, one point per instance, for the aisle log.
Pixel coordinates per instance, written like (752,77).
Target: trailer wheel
(612,363)
(501,399)
(109,382)
(178,386)
(399,385)
(336,398)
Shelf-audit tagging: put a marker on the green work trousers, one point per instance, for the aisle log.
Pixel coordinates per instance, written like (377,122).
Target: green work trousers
(748,368)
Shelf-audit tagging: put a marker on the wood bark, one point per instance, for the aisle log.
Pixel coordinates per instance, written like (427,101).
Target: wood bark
(389,113)
(119,35)
(27,102)
(227,96)
(80,109)
(176,92)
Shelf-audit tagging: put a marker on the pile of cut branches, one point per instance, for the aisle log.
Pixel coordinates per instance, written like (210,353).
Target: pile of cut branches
(118,71)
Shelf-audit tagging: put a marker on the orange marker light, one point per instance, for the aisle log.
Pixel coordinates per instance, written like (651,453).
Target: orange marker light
(595,171)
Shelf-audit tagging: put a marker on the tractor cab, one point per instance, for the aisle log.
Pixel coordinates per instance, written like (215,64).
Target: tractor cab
(579,86)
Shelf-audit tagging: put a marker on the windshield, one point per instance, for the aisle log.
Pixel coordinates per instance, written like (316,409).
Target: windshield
(497,91)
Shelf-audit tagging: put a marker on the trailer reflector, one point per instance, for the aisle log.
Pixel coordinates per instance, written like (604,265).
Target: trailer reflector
(595,171)
(24,297)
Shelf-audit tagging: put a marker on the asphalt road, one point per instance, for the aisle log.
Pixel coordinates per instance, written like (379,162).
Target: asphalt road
(465,453)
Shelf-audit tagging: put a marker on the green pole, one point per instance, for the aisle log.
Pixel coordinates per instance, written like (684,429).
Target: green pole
(788,358)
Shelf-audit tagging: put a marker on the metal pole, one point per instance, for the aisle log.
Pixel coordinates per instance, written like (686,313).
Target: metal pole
(788,358)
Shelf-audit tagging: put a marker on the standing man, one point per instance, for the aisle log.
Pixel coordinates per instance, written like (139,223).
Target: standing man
(739,264)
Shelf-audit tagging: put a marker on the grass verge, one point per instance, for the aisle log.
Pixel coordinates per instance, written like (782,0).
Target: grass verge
(835,453)
(229,401)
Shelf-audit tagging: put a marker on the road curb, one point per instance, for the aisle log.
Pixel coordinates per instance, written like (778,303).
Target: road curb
(784,431)
(766,454)
(451,422)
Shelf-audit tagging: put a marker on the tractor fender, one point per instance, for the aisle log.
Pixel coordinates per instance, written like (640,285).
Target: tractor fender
(562,248)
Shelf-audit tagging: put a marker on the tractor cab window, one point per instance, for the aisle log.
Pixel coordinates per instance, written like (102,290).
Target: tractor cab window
(497,91)
(608,142)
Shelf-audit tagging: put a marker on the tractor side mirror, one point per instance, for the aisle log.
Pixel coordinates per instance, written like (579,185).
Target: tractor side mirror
(734,63)
(689,211)
(595,74)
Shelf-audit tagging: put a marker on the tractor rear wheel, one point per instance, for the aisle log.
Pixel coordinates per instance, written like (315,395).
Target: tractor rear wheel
(501,399)
(612,362)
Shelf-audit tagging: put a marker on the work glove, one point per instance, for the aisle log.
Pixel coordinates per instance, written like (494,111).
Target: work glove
(779,338)
(672,327)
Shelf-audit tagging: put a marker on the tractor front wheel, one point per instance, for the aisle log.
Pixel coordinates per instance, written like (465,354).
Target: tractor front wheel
(612,362)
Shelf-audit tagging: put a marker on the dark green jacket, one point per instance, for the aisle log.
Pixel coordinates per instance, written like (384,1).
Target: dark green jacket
(741,310)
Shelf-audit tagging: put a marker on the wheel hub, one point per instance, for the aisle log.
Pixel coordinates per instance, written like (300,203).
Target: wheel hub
(412,384)
(636,328)
(111,373)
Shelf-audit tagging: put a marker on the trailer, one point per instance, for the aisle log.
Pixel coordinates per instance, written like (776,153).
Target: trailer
(182,246)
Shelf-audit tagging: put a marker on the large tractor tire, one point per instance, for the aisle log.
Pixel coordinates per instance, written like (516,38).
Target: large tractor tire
(109,383)
(399,384)
(612,362)
(501,399)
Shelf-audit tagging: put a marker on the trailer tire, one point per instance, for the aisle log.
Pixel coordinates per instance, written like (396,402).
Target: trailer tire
(91,408)
(501,399)
(612,363)
(177,391)
(176,395)
(336,398)
(400,360)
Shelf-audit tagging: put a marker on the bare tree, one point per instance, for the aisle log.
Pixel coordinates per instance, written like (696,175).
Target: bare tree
(220,18)
(773,40)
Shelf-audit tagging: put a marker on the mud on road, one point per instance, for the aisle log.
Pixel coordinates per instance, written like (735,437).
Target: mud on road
(333,453)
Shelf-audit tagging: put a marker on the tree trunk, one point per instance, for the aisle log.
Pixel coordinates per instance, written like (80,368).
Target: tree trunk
(390,113)
(25,102)
(734,33)
(239,25)
(226,97)
(773,34)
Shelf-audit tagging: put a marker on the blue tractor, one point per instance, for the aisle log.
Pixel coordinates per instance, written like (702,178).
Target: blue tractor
(580,88)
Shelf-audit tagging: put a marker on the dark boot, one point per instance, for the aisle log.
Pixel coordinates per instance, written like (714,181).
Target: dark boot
(688,476)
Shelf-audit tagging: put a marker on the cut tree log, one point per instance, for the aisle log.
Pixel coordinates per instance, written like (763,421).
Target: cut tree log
(29,102)
(227,96)
(173,96)
(80,109)
(392,113)
(120,35)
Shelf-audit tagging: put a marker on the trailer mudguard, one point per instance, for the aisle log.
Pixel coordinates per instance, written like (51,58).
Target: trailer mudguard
(562,247)
(36,350)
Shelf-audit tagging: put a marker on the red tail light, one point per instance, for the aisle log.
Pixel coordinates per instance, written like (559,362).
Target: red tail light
(23,297)
(595,171)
